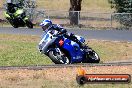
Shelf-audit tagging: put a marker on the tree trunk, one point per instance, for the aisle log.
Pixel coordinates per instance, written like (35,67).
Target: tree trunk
(74,15)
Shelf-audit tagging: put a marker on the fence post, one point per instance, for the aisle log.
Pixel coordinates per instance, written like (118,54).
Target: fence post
(78,18)
(111,19)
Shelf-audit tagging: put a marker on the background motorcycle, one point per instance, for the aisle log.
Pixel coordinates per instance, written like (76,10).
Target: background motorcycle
(64,51)
(18,19)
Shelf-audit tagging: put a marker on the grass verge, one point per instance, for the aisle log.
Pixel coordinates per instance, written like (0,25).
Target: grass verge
(21,50)
(17,50)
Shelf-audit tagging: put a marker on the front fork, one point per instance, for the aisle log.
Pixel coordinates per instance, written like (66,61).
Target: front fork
(57,52)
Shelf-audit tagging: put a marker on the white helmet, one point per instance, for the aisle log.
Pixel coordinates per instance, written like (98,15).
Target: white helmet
(9,1)
(46,24)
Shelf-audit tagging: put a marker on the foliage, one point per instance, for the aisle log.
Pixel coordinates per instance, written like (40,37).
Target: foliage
(123,6)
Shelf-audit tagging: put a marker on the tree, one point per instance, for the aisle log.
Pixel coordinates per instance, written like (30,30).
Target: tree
(123,6)
(74,15)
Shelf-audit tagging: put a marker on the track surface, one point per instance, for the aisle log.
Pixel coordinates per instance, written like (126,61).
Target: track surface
(115,35)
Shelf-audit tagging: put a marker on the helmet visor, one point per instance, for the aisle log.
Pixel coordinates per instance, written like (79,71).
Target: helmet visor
(41,24)
(44,28)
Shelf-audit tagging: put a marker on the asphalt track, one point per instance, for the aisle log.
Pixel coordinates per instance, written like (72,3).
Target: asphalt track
(114,35)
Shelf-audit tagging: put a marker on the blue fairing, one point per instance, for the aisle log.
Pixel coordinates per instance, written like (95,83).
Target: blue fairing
(74,50)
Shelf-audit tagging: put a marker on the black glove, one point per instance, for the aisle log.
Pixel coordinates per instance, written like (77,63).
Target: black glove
(62,31)
(73,36)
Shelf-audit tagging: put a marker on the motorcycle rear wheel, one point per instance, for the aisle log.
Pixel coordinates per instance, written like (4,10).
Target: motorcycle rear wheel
(92,57)
(15,26)
(53,56)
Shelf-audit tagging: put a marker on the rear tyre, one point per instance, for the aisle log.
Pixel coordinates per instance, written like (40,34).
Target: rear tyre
(92,57)
(15,26)
(58,59)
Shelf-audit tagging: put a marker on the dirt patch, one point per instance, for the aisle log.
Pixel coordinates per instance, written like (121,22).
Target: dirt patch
(112,50)
(64,74)
(23,38)
(4,47)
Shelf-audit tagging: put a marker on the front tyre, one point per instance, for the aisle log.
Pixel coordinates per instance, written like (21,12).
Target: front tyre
(58,58)
(29,24)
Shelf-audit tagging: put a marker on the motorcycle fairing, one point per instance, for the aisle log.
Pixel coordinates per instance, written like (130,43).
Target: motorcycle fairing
(73,48)
(46,42)
(7,15)
(18,12)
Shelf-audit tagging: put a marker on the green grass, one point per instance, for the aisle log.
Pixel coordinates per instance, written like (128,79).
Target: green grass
(112,51)
(21,50)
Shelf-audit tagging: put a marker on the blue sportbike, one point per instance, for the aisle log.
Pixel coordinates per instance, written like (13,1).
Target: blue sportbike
(62,50)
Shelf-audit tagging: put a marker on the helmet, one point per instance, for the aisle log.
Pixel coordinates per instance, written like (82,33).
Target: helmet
(45,24)
(9,1)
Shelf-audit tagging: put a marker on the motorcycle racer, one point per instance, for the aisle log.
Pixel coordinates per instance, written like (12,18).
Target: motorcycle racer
(62,47)
(16,15)
(48,25)
(10,8)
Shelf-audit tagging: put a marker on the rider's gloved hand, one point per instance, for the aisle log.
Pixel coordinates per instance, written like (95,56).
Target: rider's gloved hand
(73,36)
(62,31)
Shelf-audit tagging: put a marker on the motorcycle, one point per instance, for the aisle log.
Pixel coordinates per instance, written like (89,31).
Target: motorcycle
(18,19)
(62,50)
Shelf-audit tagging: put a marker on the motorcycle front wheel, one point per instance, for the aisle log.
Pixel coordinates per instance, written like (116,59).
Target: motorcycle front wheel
(29,24)
(57,58)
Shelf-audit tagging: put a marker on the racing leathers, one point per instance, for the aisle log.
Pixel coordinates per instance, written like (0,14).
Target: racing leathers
(11,8)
